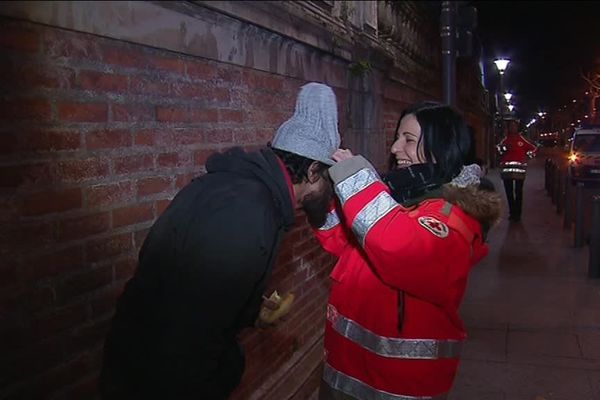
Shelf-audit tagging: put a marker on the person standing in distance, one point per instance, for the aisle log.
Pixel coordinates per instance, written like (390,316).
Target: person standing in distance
(207,260)
(514,151)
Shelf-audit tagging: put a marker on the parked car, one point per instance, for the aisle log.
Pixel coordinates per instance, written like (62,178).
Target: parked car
(584,155)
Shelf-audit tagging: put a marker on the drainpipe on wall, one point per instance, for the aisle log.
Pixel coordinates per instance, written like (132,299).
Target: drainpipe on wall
(448,34)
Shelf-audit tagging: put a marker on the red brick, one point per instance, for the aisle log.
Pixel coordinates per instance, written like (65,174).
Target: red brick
(168,159)
(133,163)
(19,236)
(24,175)
(161,206)
(52,201)
(133,214)
(86,337)
(201,156)
(218,136)
(132,113)
(85,281)
(124,269)
(153,185)
(243,137)
(79,170)
(144,138)
(57,263)
(23,75)
(183,115)
(82,227)
(109,194)
(200,70)
(82,112)
(183,180)
(140,236)
(59,320)
(228,74)
(100,81)
(103,301)
(86,388)
(48,141)
(235,116)
(31,109)
(173,65)
(100,249)
(172,138)
(56,379)
(108,139)
(35,358)
(9,142)
(149,86)
(17,38)
(199,91)
(124,56)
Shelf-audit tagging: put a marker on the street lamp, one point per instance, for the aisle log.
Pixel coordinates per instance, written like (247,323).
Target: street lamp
(501,64)
(511,107)
(508,96)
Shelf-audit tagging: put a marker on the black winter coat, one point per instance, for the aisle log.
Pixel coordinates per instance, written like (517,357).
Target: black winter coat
(201,274)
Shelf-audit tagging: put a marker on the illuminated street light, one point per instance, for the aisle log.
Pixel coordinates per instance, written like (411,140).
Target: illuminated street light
(501,64)
(511,107)
(508,96)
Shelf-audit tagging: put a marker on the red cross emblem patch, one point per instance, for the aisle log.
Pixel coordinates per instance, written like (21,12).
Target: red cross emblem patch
(438,228)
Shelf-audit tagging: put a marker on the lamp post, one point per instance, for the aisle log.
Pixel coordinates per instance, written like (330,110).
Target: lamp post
(501,65)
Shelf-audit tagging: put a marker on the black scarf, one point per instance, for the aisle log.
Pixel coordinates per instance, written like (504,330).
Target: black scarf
(412,184)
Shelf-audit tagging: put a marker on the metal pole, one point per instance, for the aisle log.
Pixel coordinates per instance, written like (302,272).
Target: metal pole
(556,186)
(568,220)
(594,267)
(552,182)
(560,193)
(578,239)
(448,33)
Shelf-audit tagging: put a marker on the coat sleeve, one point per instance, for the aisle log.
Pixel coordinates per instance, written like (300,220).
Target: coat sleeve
(423,257)
(333,235)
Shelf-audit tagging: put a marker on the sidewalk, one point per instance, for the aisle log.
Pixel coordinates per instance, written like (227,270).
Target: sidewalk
(532,314)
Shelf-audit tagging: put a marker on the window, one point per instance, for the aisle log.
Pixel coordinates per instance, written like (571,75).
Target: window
(587,143)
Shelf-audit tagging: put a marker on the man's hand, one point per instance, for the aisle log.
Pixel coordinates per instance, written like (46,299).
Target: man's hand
(273,308)
(342,154)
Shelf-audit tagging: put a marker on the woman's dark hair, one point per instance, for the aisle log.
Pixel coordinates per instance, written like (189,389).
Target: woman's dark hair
(444,135)
(297,166)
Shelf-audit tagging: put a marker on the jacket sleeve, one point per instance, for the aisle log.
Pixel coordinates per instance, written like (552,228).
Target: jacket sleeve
(423,257)
(333,235)
(530,146)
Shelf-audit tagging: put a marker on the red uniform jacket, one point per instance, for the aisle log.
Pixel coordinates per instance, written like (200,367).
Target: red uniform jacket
(392,320)
(515,151)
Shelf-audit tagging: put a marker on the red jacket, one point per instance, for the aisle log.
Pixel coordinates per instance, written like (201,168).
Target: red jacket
(392,318)
(515,150)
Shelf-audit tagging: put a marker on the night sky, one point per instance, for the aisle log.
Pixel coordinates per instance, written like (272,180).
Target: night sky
(548,43)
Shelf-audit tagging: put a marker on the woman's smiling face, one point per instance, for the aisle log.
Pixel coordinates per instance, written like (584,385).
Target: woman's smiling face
(407,149)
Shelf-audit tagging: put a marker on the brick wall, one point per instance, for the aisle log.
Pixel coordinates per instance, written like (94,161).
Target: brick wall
(96,137)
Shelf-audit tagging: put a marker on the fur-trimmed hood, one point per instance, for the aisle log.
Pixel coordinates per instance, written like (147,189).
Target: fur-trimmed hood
(481,202)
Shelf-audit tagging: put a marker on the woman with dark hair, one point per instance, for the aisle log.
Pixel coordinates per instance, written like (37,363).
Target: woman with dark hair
(405,245)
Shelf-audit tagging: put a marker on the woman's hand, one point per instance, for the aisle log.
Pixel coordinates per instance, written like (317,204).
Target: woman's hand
(342,154)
